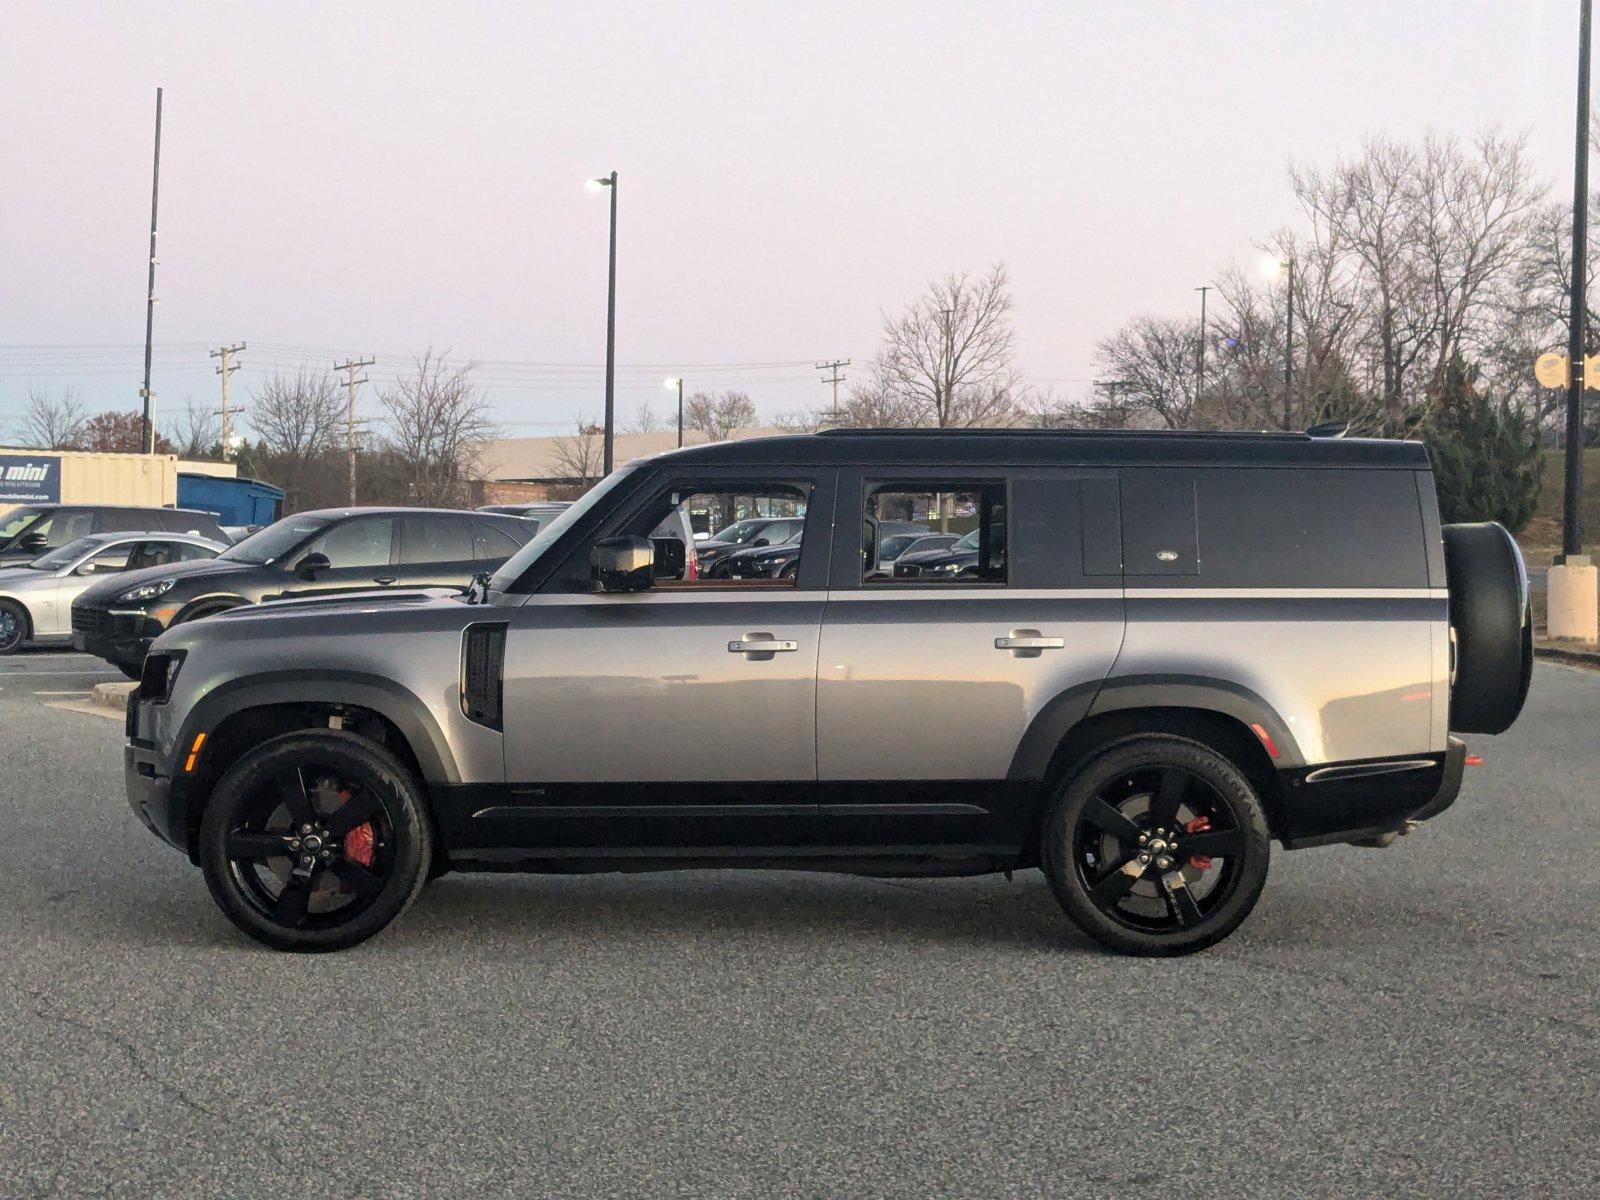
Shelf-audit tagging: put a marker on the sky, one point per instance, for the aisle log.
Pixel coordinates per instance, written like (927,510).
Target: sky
(356,179)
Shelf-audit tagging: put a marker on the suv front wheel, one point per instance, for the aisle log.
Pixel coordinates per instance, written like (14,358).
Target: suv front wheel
(315,841)
(1156,846)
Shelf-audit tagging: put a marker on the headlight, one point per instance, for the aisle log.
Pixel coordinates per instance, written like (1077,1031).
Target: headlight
(147,591)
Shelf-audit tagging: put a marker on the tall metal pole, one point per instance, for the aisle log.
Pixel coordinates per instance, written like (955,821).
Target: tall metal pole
(1288,356)
(147,428)
(1200,354)
(1571,519)
(350,367)
(611,333)
(680,412)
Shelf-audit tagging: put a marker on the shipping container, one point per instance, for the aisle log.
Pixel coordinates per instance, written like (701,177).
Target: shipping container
(77,477)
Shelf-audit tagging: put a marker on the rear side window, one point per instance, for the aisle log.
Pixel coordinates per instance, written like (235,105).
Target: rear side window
(435,539)
(976,510)
(1329,527)
(490,543)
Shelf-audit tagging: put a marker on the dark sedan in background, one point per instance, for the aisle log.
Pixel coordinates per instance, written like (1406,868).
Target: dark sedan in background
(314,553)
(751,533)
(957,559)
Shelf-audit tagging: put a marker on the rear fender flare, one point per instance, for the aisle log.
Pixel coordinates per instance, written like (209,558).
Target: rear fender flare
(1075,705)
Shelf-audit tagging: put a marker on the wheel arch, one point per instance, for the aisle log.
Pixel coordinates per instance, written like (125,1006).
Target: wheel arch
(244,713)
(219,602)
(1215,713)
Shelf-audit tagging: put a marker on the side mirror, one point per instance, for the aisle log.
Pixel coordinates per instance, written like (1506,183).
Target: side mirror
(671,558)
(759,542)
(313,565)
(623,564)
(84,569)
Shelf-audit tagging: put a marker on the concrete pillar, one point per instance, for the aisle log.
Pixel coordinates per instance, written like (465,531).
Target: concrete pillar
(1575,600)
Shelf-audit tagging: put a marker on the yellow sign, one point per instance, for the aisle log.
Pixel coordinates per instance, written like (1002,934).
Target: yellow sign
(1552,370)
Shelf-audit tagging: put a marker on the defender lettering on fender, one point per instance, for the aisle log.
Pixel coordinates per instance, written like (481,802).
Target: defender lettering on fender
(1131,660)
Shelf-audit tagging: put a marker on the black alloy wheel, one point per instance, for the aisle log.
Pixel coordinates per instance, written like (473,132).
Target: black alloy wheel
(315,841)
(13,626)
(1158,845)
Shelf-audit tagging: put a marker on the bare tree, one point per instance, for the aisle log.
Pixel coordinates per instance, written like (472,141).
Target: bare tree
(581,456)
(1153,359)
(54,420)
(645,419)
(948,356)
(718,414)
(195,431)
(439,424)
(298,418)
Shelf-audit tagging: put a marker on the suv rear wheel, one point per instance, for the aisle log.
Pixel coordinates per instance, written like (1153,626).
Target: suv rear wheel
(1156,846)
(315,841)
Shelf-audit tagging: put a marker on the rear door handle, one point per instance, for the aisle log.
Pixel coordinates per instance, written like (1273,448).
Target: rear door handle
(1029,643)
(385,580)
(761,646)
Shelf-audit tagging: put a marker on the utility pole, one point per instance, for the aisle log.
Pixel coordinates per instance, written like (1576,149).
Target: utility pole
(225,353)
(835,378)
(350,368)
(148,431)
(1200,355)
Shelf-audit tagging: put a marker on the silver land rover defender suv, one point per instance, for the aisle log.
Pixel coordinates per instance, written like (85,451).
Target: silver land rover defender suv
(1167,652)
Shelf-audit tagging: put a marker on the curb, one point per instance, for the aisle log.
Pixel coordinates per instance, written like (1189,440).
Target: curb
(1573,657)
(113,695)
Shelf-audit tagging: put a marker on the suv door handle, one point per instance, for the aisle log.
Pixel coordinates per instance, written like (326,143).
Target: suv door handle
(761,646)
(385,580)
(1029,643)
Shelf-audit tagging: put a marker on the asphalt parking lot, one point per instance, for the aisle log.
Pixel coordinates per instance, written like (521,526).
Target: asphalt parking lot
(1420,1020)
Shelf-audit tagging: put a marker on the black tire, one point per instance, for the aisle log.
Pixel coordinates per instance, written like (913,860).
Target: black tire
(14,626)
(1135,788)
(255,810)
(1492,622)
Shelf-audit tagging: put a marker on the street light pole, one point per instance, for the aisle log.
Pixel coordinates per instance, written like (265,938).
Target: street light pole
(147,439)
(1571,516)
(610,181)
(1200,356)
(1288,354)
(678,383)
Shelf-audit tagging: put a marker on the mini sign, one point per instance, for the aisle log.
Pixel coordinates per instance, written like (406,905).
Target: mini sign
(29,479)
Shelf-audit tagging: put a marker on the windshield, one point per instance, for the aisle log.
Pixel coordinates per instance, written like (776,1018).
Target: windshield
(15,521)
(741,532)
(57,559)
(552,529)
(970,542)
(274,541)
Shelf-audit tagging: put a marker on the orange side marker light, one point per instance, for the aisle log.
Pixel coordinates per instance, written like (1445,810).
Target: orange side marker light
(194,752)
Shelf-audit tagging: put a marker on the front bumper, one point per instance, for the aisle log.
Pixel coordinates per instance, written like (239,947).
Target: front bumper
(120,636)
(150,792)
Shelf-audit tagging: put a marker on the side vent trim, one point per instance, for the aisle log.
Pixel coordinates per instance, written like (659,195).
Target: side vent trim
(483,657)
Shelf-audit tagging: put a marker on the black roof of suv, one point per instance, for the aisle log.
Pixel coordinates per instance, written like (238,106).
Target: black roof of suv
(54,525)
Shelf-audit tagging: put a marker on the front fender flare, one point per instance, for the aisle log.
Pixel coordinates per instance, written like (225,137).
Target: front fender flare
(400,706)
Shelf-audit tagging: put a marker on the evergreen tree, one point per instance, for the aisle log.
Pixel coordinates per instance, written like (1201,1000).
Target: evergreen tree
(1486,460)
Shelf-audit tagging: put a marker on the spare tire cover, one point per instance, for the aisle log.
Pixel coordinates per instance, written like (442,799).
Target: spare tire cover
(1493,626)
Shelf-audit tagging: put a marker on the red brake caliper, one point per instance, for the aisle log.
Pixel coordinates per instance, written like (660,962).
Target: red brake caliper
(358,843)
(1200,862)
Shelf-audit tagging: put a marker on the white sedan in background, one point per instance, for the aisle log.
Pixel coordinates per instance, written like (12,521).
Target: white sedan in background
(36,598)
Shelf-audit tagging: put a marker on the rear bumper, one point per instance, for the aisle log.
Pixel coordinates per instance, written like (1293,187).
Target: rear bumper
(1345,802)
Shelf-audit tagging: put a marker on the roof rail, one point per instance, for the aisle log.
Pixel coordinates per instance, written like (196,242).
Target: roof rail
(844,431)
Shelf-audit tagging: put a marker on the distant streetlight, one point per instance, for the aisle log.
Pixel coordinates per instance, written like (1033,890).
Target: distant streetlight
(677,383)
(1200,365)
(594,185)
(1271,266)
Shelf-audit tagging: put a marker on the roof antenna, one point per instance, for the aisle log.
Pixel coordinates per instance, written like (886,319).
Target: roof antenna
(1329,429)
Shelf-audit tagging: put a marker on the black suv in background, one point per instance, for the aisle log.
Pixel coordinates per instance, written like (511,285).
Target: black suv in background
(30,530)
(314,553)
